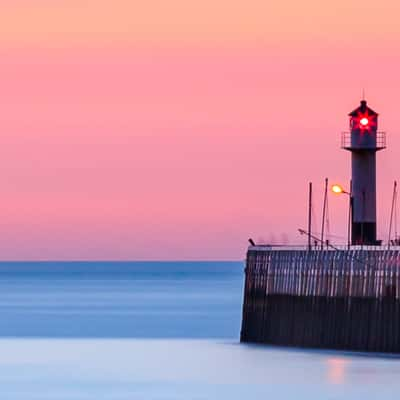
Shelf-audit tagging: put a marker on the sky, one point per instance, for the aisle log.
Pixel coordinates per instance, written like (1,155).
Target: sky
(177,130)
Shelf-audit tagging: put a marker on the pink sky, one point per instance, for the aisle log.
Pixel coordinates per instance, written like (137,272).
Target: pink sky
(167,130)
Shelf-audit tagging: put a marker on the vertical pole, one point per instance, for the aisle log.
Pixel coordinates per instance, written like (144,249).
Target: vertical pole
(323,213)
(392,211)
(309,214)
(395,220)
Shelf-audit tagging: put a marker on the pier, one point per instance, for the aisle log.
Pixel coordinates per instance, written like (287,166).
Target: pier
(335,299)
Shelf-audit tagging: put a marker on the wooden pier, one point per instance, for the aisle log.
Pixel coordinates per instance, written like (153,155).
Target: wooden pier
(333,299)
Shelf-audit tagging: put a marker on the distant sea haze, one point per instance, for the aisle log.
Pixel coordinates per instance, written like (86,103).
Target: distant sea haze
(121,299)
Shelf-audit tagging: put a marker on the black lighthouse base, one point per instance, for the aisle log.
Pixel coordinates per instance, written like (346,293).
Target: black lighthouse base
(364,233)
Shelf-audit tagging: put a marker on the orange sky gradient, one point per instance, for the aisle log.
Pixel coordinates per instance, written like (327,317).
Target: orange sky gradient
(176,130)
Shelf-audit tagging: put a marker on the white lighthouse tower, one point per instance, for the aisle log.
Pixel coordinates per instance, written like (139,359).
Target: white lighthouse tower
(363,141)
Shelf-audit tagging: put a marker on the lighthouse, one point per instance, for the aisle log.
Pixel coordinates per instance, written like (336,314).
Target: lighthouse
(363,141)
(333,297)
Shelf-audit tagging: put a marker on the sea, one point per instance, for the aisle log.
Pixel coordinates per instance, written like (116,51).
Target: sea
(157,330)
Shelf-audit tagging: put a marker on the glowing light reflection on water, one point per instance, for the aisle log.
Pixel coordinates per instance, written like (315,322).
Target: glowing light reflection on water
(186,369)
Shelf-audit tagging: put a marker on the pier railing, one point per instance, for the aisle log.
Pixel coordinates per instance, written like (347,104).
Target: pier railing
(365,273)
(302,247)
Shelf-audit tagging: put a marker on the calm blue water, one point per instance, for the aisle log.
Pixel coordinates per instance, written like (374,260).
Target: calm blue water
(83,331)
(114,300)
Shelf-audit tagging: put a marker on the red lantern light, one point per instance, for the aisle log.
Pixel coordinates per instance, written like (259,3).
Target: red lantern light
(364,121)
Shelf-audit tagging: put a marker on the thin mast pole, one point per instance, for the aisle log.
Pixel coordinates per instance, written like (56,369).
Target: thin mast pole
(395,209)
(309,214)
(323,213)
(392,211)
